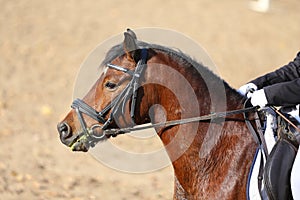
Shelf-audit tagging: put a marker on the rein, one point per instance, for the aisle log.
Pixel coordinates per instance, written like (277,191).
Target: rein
(212,116)
(92,136)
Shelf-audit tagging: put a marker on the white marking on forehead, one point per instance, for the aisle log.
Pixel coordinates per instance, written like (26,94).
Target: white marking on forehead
(105,70)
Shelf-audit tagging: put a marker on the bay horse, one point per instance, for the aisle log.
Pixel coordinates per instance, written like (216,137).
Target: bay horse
(148,83)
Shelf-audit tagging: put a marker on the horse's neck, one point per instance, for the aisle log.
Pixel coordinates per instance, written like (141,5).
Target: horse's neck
(216,163)
(207,157)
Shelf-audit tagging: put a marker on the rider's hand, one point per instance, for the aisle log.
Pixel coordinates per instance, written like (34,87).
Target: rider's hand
(247,90)
(259,98)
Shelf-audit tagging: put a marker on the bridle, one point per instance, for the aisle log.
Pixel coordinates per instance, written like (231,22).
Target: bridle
(91,135)
(97,132)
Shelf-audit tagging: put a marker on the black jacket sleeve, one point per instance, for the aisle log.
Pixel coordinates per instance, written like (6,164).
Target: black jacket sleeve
(282,87)
(286,73)
(284,94)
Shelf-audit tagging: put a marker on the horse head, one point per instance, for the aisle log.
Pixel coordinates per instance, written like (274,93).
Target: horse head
(111,102)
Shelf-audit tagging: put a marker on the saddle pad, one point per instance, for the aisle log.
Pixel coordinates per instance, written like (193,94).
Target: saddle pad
(252,186)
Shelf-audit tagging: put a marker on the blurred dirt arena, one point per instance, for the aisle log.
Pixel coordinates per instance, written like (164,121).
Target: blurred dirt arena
(42,45)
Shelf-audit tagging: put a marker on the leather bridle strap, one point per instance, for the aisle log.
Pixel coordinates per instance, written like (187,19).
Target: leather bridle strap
(130,91)
(136,81)
(81,107)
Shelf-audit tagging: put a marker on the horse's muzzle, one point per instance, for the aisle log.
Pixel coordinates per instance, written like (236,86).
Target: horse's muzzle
(81,141)
(65,133)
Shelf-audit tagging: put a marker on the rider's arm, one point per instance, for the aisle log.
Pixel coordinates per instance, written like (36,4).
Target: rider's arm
(283,94)
(286,73)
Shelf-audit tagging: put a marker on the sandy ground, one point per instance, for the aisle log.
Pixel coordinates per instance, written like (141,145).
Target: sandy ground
(43,43)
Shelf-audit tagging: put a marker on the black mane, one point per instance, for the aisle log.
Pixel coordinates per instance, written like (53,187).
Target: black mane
(181,57)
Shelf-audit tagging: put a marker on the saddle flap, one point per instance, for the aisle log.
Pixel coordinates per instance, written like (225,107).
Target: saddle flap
(278,169)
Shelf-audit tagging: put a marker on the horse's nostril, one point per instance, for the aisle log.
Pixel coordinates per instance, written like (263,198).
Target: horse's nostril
(64,130)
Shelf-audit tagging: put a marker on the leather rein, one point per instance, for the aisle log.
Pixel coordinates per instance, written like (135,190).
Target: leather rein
(98,132)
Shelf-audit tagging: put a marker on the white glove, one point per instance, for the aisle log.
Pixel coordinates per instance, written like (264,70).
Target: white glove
(259,98)
(247,89)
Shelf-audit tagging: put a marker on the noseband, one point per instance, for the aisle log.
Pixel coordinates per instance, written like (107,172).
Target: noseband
(91,135)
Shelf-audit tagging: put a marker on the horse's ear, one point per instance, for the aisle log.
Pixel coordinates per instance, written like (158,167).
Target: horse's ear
(130,32)
(130,43)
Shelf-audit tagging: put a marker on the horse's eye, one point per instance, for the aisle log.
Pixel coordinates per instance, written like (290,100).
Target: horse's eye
(110,85)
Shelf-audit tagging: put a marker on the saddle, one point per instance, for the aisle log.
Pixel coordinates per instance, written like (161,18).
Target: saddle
(273,168)
(279,164)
